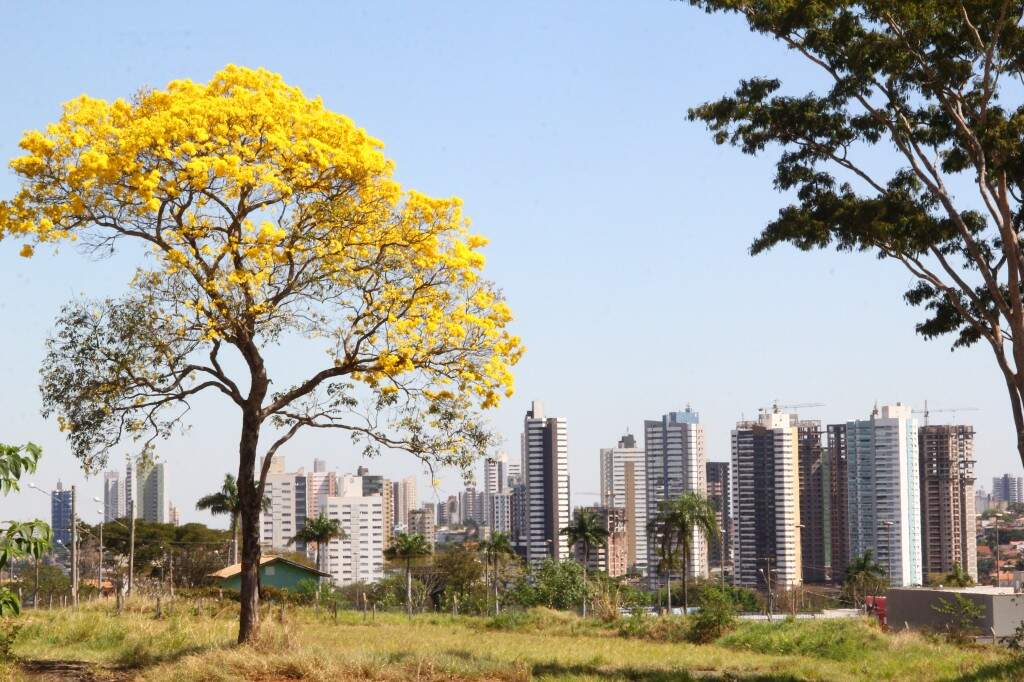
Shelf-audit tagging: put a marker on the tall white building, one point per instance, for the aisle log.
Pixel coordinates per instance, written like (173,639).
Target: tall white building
(288,507)
(319,485)
(675,464)
(496,474)
(359,556)
(766,501)
(1007,488)
(624,485)
(405,500)
(884,498)
(113,496)
(545,465)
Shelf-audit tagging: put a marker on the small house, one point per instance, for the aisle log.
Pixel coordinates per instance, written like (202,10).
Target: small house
(275,571)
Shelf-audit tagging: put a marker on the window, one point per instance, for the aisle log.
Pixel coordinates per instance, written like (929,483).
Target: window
(269,570)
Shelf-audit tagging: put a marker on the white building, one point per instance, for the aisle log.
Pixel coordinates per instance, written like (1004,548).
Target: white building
(359,557)
(545,466)
(884,498)
(766,501)
(624,485)
(113,496)
(405,501)
(288,507)
(675,464)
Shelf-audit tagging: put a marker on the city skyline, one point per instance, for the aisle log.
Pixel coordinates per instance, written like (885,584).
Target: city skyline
(528,177)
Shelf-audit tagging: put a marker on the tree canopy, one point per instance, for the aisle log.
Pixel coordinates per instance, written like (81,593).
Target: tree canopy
(933,82)
(266,218)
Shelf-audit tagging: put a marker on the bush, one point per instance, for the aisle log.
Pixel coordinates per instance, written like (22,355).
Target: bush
(641,625)
(8,633)
(840,640)
(716,616)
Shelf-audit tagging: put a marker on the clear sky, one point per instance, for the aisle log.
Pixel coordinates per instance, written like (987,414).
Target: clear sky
(618,231)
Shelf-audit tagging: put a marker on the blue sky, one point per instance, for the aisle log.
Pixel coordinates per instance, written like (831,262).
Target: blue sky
(618,231)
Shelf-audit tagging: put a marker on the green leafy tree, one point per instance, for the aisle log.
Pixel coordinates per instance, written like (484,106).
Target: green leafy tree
(226,501)
(673,529)
(716,616)
(407,548)
(933,81)
(19,539)
(320,531)
(586,531)
(958,577)
(559,584)
(863,577)
(962,616)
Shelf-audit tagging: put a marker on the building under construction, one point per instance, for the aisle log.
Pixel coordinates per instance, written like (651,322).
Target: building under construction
(947,499)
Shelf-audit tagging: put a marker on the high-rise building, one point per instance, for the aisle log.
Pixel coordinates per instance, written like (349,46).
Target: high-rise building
(150,494)
(884,491)
(359,555)
(405,500)
(319,484)
(131,504)
(610,558)
(719,494)
(982,500)
(1009,489)
(289,507)
(173,516)
(499,512)
(815,504)
(421,522)
(675,464)
(624,485)
(766,501)
(496,474)
(545,460)
(948,520)
(469,506)
(838,486)
(113,496)
(514,473)
(387,495)
(518,504)
(60,515)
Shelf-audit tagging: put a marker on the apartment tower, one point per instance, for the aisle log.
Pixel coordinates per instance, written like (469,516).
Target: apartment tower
(545,466)
(719,494)
(815,505)
(675,464)
(948,521)
(884,492)
(766,501)
(838,488)
(624,486)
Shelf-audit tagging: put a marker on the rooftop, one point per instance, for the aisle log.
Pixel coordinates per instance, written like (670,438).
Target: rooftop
(235,569)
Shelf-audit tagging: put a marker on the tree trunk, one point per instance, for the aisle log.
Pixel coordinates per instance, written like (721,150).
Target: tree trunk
(686,594)
(408,586)
(586,563)
(669,595)
(249,501)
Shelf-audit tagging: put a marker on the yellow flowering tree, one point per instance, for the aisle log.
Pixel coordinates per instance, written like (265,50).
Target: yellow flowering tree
(264,218)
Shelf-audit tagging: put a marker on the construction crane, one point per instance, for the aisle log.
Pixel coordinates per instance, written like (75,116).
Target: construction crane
(926,411)
(776,407)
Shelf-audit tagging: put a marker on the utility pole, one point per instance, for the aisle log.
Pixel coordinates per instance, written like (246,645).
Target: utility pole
(74,548)
(131,548)
(768,580)
(100,584)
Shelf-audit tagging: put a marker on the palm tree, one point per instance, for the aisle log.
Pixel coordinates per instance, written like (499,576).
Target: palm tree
(225,501)
(586,529)
(407,547)
(320,531)
(494,550)
(675,526)
(863,574)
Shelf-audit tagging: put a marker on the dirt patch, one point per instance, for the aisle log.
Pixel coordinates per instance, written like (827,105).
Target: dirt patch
(79,671)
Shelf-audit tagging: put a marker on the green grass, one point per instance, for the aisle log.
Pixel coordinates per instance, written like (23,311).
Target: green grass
(193,642)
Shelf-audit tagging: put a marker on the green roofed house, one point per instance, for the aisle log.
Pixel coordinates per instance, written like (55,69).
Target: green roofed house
(275,571)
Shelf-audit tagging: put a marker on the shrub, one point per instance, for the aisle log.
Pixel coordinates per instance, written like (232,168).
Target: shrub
(715,617)
(962,617)
(8,633)
(839,640)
